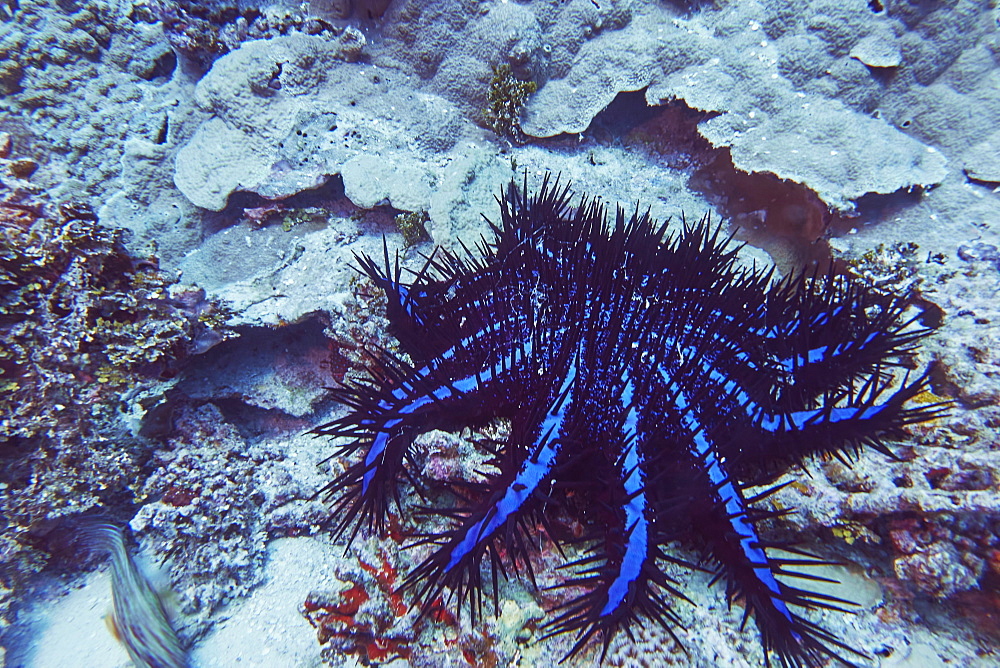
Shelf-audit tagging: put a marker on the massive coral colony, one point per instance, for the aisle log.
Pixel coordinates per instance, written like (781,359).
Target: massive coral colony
(644,373)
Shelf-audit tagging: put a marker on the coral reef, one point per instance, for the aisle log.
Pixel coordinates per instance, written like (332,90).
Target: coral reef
(204,32)
(401,183)
(288,113)
(47,50)
(582,56)
(349,624)
(261,371)
(84,321)
(215,498)
(344,9)
(795,132)
(363,613)
(889,269)
(737,108)
(92,336)
(198,32)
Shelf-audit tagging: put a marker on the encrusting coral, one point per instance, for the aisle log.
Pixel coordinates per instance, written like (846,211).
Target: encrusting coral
(91,335)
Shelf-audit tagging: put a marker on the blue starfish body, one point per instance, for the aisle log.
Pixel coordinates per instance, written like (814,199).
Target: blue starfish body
(645,375)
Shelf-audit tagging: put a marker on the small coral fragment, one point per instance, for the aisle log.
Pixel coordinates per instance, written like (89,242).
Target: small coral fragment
(889,269)
(507,97)
(411,225)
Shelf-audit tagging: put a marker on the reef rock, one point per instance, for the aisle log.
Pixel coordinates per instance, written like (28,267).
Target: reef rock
(728,64)
(878,50)
(287,113)
(981,162)
(370,181)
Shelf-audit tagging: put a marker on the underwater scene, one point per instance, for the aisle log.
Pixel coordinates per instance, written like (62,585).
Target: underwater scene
(499,333)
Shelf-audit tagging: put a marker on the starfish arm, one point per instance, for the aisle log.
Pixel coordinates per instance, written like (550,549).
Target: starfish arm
(406,304)
(827,333)
(624,583)
(620,573)
(727,529)
(449,297)
(385,418)
(725,525)
(840,424)
(456,564)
